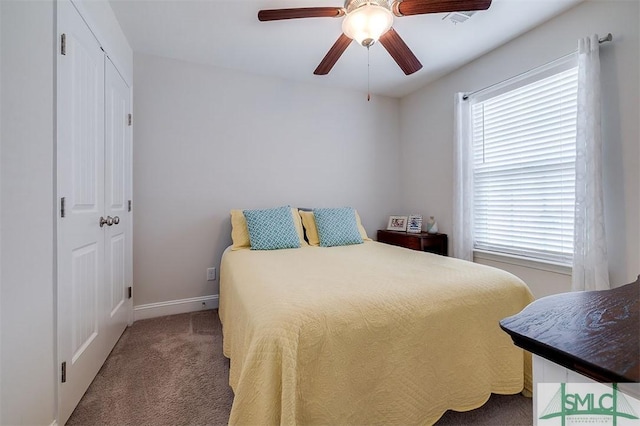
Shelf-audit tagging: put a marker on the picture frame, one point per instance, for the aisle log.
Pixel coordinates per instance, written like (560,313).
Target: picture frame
(397,223)
(414,224)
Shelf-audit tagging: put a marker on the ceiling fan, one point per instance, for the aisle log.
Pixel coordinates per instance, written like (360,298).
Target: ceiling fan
(368,21)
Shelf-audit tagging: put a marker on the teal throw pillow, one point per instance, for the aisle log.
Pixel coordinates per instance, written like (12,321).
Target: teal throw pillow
(337,227)
(271,229)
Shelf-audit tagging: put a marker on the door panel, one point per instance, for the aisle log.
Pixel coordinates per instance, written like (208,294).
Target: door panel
(117,189)
(84,289)
(81,241)
(118,279)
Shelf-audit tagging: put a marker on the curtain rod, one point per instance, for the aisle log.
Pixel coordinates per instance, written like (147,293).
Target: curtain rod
(605,39)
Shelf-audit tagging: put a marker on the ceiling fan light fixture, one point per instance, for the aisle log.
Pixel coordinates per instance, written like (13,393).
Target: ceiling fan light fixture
(367,23)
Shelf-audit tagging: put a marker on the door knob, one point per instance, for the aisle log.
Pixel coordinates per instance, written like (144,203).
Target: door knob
(116,220)
(108,221)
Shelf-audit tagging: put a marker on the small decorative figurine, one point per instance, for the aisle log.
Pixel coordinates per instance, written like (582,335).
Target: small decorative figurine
(432,225)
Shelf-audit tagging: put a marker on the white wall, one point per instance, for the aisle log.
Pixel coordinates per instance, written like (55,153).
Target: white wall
(427,128)
(27,388)
(208,140)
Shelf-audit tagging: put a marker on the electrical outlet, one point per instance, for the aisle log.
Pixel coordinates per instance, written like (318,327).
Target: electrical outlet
(211,274)
(209,304)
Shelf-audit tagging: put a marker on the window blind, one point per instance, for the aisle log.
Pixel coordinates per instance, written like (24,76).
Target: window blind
(524,146)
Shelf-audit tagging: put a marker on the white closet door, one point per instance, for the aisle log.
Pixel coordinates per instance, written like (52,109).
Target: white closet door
(118,273)
(81,240)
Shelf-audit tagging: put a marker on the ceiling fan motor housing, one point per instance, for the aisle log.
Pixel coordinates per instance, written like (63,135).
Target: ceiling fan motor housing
(351,5)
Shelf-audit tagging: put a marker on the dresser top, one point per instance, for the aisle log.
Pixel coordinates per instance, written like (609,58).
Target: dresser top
(412,234)
(595,333)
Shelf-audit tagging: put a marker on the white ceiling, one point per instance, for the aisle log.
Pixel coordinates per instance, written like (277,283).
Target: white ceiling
(228,34)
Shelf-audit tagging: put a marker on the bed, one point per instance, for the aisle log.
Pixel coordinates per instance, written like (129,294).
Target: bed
(365,334)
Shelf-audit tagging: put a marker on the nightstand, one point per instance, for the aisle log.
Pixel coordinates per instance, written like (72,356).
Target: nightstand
(433,243)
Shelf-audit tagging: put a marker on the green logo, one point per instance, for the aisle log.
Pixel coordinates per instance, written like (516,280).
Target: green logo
(565,404)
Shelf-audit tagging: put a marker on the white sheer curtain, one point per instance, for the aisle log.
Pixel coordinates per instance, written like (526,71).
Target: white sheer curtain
(462,181)
(590,265)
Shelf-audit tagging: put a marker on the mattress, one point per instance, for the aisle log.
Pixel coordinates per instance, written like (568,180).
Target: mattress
(365,334)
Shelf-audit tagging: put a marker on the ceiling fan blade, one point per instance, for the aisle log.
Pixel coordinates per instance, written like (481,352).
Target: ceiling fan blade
(421,7)
(301,12)
(333,55)
(400,52)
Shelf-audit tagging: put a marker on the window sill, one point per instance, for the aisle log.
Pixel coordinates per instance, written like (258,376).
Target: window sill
(522,261)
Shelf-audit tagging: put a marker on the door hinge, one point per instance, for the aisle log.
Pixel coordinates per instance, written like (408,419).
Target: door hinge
(129,205)
(64,372)
(129,119)
(130,292)
(63,44)
(62,207)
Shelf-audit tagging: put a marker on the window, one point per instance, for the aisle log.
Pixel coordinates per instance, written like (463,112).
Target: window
(524,149)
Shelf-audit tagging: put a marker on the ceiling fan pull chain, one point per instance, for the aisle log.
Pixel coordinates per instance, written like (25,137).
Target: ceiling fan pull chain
(368,76)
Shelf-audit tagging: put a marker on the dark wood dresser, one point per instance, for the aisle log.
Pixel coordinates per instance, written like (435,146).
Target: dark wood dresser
(594,333)
(433,243)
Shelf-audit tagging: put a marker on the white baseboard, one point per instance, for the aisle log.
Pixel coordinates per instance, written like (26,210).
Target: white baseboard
(173,307)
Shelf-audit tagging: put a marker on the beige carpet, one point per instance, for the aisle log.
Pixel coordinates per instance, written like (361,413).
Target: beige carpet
(163,371)
(171,371)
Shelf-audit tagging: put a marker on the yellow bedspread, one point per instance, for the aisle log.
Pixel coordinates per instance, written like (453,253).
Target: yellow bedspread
(365,334)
